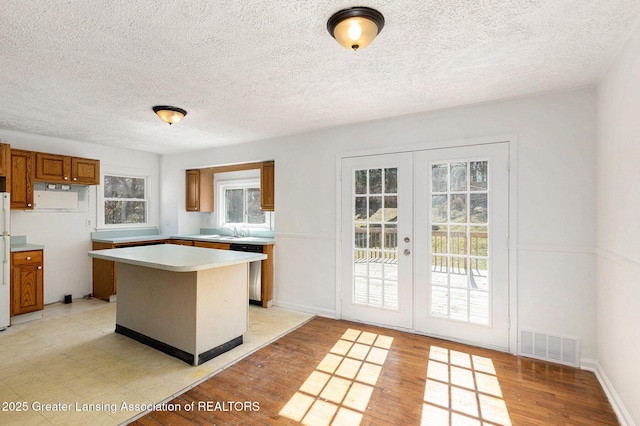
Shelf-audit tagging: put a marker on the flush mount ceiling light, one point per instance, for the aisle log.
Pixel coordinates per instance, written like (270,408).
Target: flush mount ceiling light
(169,114)
(356,27)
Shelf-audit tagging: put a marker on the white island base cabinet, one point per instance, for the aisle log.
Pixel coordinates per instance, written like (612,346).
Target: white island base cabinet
(194,316)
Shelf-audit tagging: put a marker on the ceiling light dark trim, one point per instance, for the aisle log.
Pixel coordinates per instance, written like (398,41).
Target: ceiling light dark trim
(169,114)
(355,12)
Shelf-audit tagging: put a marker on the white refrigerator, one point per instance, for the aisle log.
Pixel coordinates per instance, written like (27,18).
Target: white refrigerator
(5,255)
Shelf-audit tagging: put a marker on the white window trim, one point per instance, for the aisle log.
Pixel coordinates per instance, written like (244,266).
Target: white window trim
(221,186)
(151,196)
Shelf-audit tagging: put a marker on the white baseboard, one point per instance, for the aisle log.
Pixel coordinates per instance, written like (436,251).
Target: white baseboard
(306,309)
(618,407)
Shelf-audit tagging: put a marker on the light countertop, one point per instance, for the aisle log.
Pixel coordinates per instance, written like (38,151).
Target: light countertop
(26,247)
(130,239)
(214,238)
(195,237)
(176,258)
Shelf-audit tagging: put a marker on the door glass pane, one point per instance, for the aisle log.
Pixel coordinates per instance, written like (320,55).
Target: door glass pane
(479,175)
(458,177)
(479,208)
(390,181)
(375,238)
(459,282)
(479,241)
(440,178)
(439,211)
(391,208)
(361,182)
(439,239)
(459,208)
(375,181)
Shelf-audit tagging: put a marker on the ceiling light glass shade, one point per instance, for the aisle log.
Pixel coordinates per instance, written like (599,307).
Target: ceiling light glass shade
(355,28)
(169,114)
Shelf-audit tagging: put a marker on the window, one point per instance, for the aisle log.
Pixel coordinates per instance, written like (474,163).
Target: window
(241,201)
(125,200)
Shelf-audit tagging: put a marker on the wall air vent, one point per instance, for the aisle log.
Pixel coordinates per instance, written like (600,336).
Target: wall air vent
(549,347)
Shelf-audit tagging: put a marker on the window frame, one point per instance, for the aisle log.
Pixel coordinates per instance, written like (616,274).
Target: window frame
(239,183)
(150,195)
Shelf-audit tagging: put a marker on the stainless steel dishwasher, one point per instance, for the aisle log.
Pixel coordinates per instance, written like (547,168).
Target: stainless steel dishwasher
(255,272)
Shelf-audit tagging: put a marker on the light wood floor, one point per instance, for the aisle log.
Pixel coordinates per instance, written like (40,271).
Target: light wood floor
(331,372)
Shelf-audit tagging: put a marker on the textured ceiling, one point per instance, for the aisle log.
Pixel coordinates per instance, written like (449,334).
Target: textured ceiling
(90,70)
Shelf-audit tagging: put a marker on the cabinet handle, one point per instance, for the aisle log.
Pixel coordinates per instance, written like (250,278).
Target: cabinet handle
(28,257)
(75,178)
(39,267)
(28,204)
(65,178)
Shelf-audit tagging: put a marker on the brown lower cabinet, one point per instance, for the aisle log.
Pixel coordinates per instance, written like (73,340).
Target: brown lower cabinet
(105,284)
(266,275)
(27,281)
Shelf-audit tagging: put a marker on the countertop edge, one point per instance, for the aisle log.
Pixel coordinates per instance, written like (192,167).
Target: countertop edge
(15,248)
(257,241)
(245,258)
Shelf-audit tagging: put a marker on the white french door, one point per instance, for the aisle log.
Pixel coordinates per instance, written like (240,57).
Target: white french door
(377,221)
(461,246)
(424,242)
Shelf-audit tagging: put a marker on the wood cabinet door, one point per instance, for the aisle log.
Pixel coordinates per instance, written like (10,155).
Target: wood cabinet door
(22,178)
(181,242)
(267,186)
(27,283)
(85,171)
(193,190)
(5,159)
(213,245)
(52,167)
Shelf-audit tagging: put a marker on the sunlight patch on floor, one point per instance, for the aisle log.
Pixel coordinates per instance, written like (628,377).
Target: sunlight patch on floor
(462,389)
(340,388)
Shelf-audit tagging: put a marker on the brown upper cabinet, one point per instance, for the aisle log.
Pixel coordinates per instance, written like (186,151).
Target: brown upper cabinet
(22,178)
(64,169)
(200,185)
(5,164)
(267,186)
(199,190)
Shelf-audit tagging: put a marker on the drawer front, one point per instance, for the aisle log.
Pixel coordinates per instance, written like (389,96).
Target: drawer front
(26,257)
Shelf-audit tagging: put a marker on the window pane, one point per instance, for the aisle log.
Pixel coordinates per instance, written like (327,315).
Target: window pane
(254,213)
(234,208)
(375,209)
(361,182)
(375,181)
(479,175)
(479,208)
(391,180)
(458,176)
(458,207)
(391,209)
(439,209)
(361,209)
(117,212)
(439,178)
(123,187)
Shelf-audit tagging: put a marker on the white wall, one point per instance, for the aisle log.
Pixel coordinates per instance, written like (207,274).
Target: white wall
(556,202)
(65,235)
(618,224)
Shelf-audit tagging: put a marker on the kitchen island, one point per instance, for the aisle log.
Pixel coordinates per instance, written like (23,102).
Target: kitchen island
(189,302)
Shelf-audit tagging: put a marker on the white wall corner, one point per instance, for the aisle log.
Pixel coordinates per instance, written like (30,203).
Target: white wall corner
(616,403)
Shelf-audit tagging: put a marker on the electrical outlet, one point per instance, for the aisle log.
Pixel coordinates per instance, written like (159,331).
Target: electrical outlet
(89,222)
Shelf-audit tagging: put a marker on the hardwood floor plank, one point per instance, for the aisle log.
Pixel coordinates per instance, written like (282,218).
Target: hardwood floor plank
(417,380)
